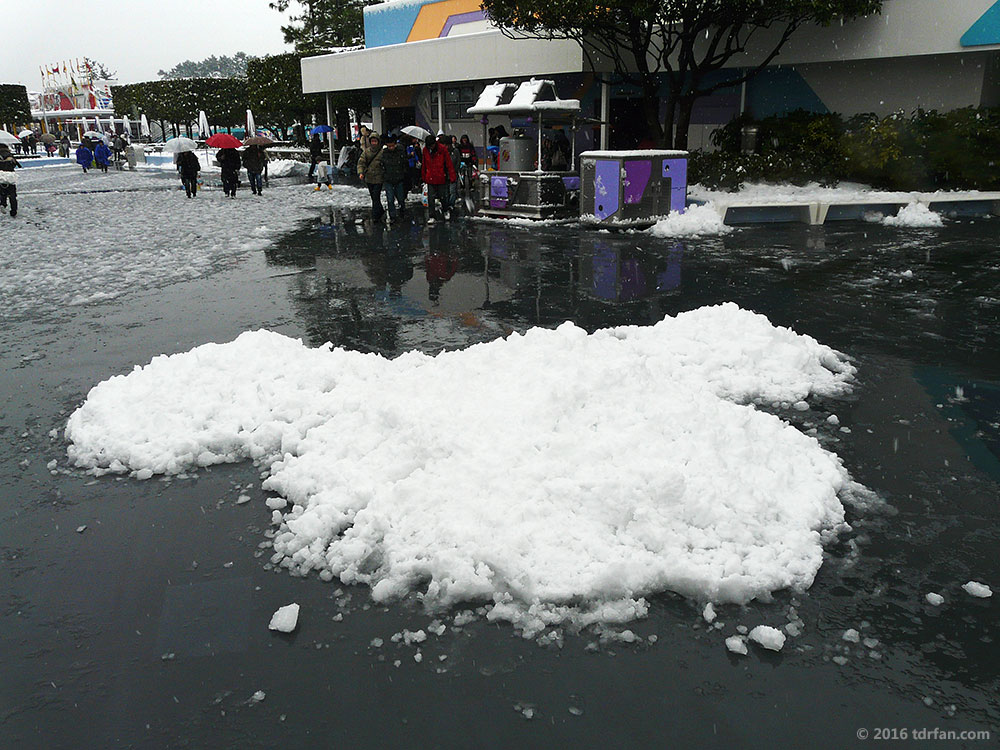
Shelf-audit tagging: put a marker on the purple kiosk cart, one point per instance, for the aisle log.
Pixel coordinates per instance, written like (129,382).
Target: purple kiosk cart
(631,188)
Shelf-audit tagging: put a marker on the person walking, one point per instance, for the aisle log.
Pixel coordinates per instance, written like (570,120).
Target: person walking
(64,146)
(189,167)
(229,160)
(315,154)
(254,161)
(8,180)
(102,155)
(452,144)
(84,157)
(394,167)
(372,173)
(438,172)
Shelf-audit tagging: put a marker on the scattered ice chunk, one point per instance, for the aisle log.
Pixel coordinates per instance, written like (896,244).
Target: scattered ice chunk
(935,600)
(377,642)
(801,406)
(870,642)
(576,711)
(414,636)
(81,529)
(977,589)
(851,636)
(928,701)
(737,644)
(418,657)
(793,629)
(709,613)
(741,629)
(276,503)
(242,499)
(258,696)
(841,660)
(285,619)
(768,637)
(833,419)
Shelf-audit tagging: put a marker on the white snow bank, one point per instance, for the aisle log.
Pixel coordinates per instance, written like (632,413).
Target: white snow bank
(580,474)
(977,589)
(285,619)
(286,168)
(914,215)
(696,221)
(845,192)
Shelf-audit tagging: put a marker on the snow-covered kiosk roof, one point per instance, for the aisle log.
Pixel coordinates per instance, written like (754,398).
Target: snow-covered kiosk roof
(535,95)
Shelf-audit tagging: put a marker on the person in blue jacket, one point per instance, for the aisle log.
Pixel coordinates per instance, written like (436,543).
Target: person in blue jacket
(102,154)
(84,157)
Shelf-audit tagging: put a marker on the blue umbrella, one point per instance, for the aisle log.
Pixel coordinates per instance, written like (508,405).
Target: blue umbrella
(321,129)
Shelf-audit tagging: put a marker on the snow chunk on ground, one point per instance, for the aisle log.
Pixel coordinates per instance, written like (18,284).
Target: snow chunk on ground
(768,637)
(915,215)
(285,619)
(851,635)
(935,600)
(737,644)
(696,221)
(980,590)
(620,468)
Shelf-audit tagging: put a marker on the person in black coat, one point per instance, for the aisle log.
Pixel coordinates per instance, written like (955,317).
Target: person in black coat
(8,180)
(254,161)
(315,153)
(229,160)
(189,166)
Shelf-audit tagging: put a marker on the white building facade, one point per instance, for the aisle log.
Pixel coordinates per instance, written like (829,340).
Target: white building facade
(426,62)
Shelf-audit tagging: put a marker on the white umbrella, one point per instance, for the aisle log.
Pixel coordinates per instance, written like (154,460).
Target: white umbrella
(179,145)
(92,134)
(24,133)
(144,126)
(416,131)
(9,138)
(204,130)
(127,126)
(251,125)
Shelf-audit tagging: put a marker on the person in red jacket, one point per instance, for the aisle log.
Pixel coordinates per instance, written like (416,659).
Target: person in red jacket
(437,171)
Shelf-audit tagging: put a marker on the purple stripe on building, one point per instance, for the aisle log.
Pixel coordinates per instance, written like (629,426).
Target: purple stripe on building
(460,18)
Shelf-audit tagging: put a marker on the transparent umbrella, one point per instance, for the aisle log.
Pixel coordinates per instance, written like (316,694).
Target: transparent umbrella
(179,145)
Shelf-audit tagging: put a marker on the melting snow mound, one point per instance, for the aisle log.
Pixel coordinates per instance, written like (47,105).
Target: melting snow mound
(559,477)
(695,221)
(915,215)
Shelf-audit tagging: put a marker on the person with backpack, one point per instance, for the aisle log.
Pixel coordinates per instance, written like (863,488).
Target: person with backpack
(189,167)
(8,180)
(437,172)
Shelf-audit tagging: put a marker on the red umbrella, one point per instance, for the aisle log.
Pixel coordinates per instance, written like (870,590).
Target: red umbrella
(223,140)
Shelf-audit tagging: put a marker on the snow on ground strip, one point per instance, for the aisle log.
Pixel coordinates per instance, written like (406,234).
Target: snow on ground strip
(845,192)
(78,248)
(561,477)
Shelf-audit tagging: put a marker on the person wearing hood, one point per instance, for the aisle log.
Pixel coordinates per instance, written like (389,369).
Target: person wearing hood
(102,155)
(438,172)
(84,157)
(254,161)
(315,154)
(189,167)
(229,160)
(8,180)
(372,173)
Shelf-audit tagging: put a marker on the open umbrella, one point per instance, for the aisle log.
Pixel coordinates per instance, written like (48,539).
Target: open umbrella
(416,131)
(179,145)
(24,133)
(251,125)
(223,140)
(321,129)
(93,134)
(47,138)
(204,130)
(144,126)
(258,140)
(9,138)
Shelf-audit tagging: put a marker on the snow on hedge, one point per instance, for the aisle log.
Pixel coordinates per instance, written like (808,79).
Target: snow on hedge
(559,477)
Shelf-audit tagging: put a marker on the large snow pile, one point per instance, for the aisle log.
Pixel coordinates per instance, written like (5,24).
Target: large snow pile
(914,215)
(696,221)
(114,236)
(557,476)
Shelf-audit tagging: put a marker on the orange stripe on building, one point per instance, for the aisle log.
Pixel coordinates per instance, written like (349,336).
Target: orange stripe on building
(431,18)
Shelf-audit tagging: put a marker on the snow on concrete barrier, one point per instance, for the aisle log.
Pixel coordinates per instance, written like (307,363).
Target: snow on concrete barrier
(559,477)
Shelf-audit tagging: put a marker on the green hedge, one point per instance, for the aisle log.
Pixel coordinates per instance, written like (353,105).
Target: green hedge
(927,150)
(14,106)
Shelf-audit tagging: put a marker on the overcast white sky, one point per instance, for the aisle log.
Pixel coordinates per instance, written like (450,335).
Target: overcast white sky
(135,37)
